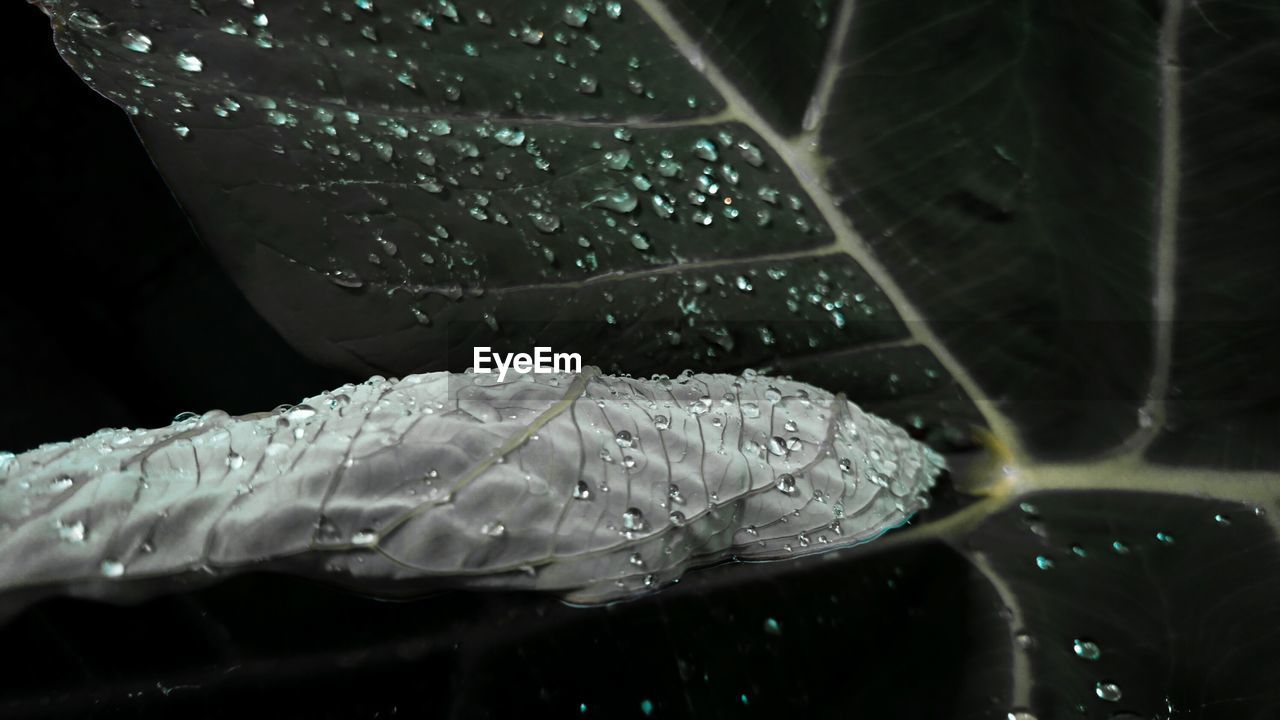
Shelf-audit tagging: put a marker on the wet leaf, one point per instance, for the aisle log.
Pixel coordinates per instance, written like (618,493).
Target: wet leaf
(592,487)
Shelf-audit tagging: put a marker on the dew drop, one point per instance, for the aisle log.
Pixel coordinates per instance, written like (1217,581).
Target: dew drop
(633,520)
(545,222)
(135,41)
(1108,691)
(1086,650)
(112,568)
(786,482)
(189,62)
(624,439)
(72,532)
(582,491)
(511,137)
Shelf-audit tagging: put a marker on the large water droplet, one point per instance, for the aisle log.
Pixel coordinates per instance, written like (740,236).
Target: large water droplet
(112,568)
(135,41)
(1086,649)
(545,222)
(633,520)
(189,62)
(786,482)
(511,137)
(71,532)
(1108,691)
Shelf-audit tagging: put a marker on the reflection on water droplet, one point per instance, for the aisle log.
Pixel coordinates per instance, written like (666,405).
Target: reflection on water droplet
(189,62)
(511,137)
(71,532)
(112,568)
(633,520)
(1086,650)
(135,41)
(545,222)
(1108,691)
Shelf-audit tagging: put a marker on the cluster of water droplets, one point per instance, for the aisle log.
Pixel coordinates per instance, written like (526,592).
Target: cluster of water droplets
(435,154)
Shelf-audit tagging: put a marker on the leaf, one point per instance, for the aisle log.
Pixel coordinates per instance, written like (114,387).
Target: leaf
(594,487)
(1049,219)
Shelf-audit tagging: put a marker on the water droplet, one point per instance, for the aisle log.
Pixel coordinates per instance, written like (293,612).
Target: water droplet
(613,9)
(1044,563)
(135,41)
(189,62)
(530,36)
(640,241)
(1164,538)
(624,439)
(706,150)
(633,520)
(1108,691)
(87,20)
(493,529)
(677,518)
(511,137)
(582,491)
(575,16)
(772,627)
(786,482)
(1222,519)
(1086,649)
(72,532)
(112,568)
(588,84)
(661,422)
(545,222)
(364,538)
